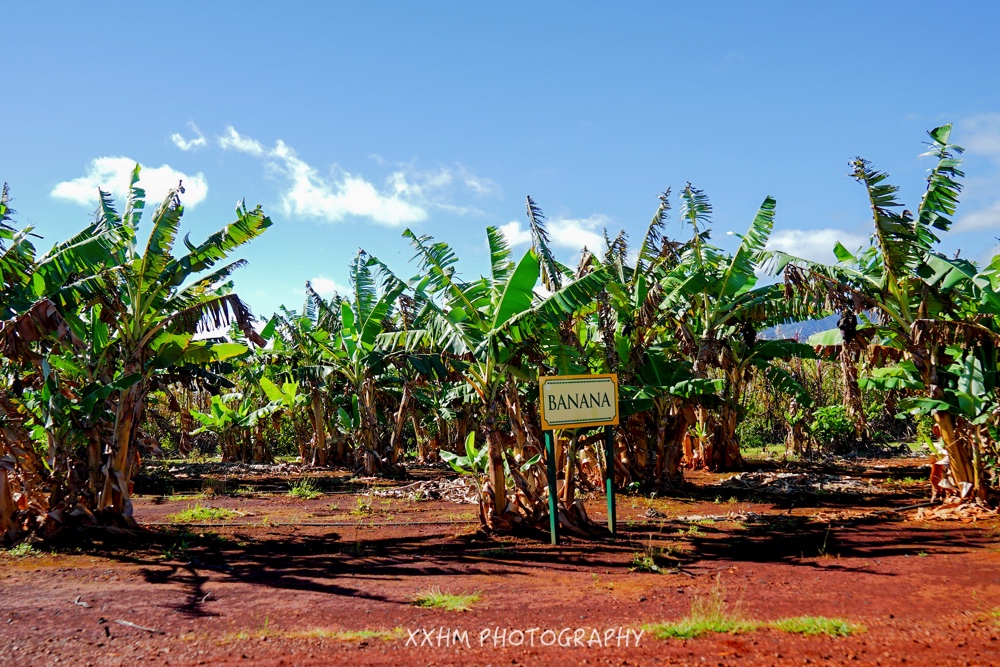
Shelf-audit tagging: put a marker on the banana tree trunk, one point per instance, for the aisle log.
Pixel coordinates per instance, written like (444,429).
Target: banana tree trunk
(371,456)
(261,452)
(7,506)
(725,450)
(396,442)
(676,434)
(424,447)
(517,427)
(17,444)
(498,480)
(965,466)
(185,444)
(725,453)
(116,491)
(317,456)
(853,403)
(796,441)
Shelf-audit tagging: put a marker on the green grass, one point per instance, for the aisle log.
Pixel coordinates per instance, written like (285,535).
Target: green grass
(762,452)
(22,550)
(497,552)
(689,628)
(435,598)
(188,496)
(908,481)
(362,508)
(644,563)
(817,625)
(199,513)
(350,635)
(710,613)
(305,489)
(266,631)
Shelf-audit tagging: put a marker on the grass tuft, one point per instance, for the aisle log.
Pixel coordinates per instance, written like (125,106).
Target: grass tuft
(711,613)
(200,513)
(361,507)
(435,598)
(22,550)
(349,635)
(818,625)
(708,614)
(304,489)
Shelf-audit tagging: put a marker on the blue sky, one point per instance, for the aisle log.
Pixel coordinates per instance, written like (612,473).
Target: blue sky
(349,122)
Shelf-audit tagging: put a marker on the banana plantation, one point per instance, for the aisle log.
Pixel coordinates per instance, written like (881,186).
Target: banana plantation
(117,348)
(128,361)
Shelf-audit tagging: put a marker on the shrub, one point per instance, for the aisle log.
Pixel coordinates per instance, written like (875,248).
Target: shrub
(831,425)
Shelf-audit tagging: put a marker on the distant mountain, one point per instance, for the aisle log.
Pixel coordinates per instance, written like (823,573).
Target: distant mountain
(801,330)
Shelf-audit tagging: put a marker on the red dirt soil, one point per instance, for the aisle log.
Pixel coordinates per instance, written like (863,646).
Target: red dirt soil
(265,594)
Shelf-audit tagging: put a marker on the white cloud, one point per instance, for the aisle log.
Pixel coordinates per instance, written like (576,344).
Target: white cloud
(478,184)
(112,174)
(575,233)
(327,287)
(815,244)
(189,144)
(987,218)
(340,196)
(233,140)
(515,234)
(569,233)
(980,135)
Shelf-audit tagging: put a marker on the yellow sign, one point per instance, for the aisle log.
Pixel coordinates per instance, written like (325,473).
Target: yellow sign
(573,401)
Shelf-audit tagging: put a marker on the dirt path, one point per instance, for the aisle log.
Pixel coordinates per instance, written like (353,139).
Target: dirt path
(265,594)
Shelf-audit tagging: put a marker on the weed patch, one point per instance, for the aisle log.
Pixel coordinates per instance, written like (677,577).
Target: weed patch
(817,625)
(435,598)
(304,489)
(201,513)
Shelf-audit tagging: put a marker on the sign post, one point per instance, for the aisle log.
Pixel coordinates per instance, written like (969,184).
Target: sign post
(579,401)
(550,465)
(609,474)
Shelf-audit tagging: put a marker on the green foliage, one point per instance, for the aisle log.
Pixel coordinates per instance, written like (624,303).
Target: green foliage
(925,431)
(649,559)
(435,598)
(99,345)
(709,613)
(22,550)
(818,625)
(198,513)
(362,506)
(753,431)
(305,489)
(831,425)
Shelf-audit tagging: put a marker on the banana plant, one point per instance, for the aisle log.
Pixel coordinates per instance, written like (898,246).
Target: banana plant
(306,345)
(484,328)
(639,345)
(233,418)
(375,290)
(156,302)
(924,300)
(476,463)
(716,308)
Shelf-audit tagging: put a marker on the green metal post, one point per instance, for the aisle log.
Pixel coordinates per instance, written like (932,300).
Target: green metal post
(609,483)
(550,456)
